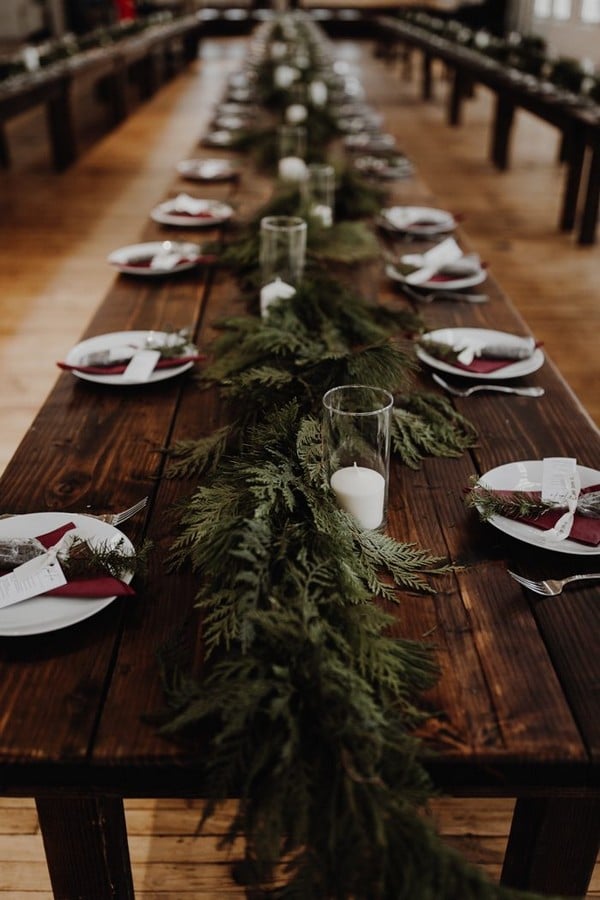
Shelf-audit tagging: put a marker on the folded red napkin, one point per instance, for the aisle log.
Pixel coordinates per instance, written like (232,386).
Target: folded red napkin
(119,368)
(484,366)
(146,263)
(100,586)
(442,276)
(585,530)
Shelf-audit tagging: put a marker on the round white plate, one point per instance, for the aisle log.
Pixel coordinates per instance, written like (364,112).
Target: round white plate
(217,212)
(41,614)
(451,284)
(121,339)
(435,221)
(206,169)
(219,138)
(527,476)
(225,122)
(516,369)
(123,258)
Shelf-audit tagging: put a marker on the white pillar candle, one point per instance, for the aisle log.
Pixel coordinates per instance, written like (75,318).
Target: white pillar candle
(275,290)
(317,91)
(284,76)
(323,213)
(292,168)
(295,113)
(361,492)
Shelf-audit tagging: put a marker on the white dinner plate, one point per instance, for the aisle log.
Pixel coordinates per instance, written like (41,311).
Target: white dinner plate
(39,615)
(450,284)
(135,259)
(137,339)
(218,138)
(527,476)
(452,336)
(423,220)
(206,169)
(216,213)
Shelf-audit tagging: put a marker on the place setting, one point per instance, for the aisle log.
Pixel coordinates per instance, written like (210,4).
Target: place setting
(60,569)
(442,272)
(206,169)
(156,258)
(551,503)
(418,221)
(387,167)
(191,212)
(480,353)
(126,358)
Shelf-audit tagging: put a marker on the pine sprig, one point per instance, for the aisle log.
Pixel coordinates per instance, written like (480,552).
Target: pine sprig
(83,559)
(513,504)
(425,424)
(194,457)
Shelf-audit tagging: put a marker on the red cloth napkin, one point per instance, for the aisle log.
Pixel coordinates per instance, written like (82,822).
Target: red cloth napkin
(145,263)
(485,366)
(584,530)
(101,586)
(119,368)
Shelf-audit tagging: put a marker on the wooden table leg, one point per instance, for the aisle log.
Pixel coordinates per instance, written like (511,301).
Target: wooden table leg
(576,150)
(591,207)
(503,122)
(4,151)
(460,87)
(85,840)
(553,845)
(426,83)
(60,125)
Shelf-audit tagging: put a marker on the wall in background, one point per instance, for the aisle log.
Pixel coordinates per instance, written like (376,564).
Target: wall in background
(571,27)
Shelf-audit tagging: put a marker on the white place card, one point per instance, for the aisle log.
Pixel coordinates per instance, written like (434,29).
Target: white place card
(35,577)
(141,366)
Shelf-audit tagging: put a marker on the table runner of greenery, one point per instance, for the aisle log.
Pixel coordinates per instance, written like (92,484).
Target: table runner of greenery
(306,707)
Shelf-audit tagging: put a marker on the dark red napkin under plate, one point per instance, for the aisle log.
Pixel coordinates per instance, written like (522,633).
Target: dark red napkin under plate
(101,586)
(119,368)
(584,530)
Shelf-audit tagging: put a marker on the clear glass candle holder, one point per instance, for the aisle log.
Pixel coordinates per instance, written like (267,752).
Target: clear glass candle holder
(282,256)
(319,192)
(356,450)
(291,149)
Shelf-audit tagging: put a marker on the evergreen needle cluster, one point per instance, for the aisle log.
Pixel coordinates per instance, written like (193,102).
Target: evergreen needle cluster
(85,560)
(512,504)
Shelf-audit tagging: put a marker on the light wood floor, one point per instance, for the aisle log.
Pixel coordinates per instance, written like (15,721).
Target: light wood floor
(55,232)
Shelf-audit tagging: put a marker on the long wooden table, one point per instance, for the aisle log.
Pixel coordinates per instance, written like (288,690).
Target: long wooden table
(52,87)
(579,125)
(516,709)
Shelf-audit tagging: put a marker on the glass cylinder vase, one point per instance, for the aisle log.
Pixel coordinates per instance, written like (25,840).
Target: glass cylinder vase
(356,450)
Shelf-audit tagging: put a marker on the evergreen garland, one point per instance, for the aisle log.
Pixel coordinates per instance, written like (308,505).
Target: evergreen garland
(307,706)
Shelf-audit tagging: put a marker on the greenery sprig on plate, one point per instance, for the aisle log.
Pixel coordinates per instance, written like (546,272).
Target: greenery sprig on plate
(512,504)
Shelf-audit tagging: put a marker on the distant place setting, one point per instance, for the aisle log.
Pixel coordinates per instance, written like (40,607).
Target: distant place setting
(191,212)
(156,258)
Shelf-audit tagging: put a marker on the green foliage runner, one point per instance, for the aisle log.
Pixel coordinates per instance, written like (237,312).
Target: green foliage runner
(307,705)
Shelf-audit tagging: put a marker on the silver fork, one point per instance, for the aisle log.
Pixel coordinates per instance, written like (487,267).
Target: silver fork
(120,517)
(442,295)
(452,295)
(492,386)
(550,587)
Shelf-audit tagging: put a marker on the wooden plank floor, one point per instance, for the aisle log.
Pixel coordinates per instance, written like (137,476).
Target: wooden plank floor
(55,233)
